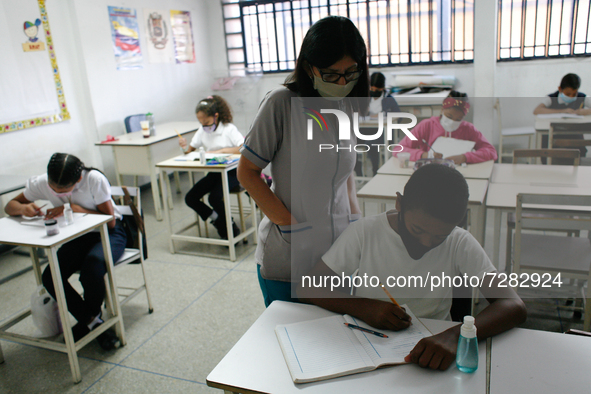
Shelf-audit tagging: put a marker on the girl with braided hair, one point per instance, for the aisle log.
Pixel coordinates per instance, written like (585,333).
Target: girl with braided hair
(217,134)
(88,191)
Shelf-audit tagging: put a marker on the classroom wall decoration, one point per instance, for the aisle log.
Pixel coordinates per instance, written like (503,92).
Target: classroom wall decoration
(31,92)
(182,34)
(158,36)
(126,38)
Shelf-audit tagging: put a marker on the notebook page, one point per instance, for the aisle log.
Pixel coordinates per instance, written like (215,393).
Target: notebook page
(321,349)
(451,146)
(393,349)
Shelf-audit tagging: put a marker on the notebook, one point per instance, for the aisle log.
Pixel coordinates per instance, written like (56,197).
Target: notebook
(452,147)
(559,115)
(325,348)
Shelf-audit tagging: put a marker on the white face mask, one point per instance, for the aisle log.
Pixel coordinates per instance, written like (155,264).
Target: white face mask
(448,124)
(332,91)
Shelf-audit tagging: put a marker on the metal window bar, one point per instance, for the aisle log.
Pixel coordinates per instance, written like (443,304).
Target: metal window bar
(556,21)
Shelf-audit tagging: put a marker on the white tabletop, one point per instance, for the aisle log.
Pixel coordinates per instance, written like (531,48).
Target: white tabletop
(384,186)
(179,163)
(256,364)
(559,177)
(163,132)
(478,171)
(543,123)
(14,233)
(540,362)
(504,195)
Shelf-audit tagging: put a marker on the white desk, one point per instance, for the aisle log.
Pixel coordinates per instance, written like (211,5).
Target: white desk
(477,171)
(382,189)
(195,166)
(256,364)
(508,180)
(540,362)
(14,233)
(136,155)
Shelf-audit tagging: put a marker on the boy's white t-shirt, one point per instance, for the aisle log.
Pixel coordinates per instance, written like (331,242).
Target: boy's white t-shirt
(373,247)
(93,190)
(224,136)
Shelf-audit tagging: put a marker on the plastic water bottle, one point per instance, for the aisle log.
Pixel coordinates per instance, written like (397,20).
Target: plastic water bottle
(68,214)
(202,156)
(467,353)
(150,119)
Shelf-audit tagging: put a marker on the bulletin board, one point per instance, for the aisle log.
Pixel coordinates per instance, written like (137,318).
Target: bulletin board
(31,92)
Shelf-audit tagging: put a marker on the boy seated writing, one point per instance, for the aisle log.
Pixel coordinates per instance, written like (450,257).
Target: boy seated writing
(420,238)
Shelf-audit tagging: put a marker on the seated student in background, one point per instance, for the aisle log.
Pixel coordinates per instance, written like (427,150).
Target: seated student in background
(88,191)
(567,99)
(217,134)
(449,124)
(420,237)
(381,101)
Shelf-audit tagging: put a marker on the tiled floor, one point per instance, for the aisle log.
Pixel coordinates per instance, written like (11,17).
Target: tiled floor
(202,306)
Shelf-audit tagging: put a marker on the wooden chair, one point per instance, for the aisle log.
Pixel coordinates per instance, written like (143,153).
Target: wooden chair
(552,254)
(508,132)
(573,154)
(131,255)
(562,132)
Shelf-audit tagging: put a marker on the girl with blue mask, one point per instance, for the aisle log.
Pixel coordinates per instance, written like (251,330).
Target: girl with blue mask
(217,134)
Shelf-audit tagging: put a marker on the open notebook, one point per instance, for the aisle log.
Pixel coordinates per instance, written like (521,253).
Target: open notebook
(325,348)
(452,147)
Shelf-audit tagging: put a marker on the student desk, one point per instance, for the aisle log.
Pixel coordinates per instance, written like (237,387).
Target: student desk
(540,362)
(508,180)
(195,166)
(542,125)
(476,171)
(382,189)
(256,364)
(14,233)
(136,155)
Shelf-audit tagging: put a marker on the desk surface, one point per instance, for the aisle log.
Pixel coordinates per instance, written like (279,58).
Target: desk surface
(476,171)
(178,163)
(530,361)
(542,175)
(14,233)
(256,364)
(10,183)
(504,195)
(543,123)
(163,132)
(384,186)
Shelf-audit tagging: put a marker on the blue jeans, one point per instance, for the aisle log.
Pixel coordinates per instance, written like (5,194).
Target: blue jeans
(275,290)
(85,254)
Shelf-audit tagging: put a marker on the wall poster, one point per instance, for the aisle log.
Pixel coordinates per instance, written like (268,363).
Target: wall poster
(182,34)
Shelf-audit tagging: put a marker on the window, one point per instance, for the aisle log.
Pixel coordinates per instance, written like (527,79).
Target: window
(537,29)
(265,36)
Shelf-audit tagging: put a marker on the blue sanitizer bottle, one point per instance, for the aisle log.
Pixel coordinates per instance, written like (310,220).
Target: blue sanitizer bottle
(467,353)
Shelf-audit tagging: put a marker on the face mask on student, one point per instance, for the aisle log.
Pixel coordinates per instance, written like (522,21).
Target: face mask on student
(567,99)
(448,124)
(211,128)
(332,91)
(375,93)
(60,195)
(414,247)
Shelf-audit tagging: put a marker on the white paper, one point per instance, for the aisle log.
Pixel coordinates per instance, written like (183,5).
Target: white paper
(451,146)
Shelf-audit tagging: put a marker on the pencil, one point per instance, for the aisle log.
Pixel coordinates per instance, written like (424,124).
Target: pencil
(425,142)
(389,295)
(379,334)
(177,133)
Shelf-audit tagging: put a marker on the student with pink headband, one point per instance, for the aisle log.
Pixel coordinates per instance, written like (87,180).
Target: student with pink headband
(449,124)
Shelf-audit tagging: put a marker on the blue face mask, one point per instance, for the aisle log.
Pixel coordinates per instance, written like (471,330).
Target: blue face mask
(567,99)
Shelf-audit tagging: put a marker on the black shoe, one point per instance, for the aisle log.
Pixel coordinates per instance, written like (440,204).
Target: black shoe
(79,331)
(108,340)
(220,225)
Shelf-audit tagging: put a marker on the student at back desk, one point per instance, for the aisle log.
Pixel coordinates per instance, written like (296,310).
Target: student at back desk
(420,238)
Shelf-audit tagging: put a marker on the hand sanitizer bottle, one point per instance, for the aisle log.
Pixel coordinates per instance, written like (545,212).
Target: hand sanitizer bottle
(202,156)
(467,353)
(68,214)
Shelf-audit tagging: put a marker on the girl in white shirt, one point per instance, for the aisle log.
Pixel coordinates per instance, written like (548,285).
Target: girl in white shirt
(217,134)
(88,191)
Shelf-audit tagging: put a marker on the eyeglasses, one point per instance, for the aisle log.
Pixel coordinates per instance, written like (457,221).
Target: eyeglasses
(334,77)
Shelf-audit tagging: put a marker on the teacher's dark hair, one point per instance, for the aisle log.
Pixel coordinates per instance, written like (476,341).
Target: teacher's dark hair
(326,42)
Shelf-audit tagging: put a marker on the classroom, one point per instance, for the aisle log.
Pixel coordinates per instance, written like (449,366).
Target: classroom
(488,182)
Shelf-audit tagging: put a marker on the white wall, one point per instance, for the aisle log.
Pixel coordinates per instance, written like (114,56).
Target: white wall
(99,96)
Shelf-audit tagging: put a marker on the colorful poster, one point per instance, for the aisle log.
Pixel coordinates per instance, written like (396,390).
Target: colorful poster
(182,34)
(158,36)
(31,91)
(126,38)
